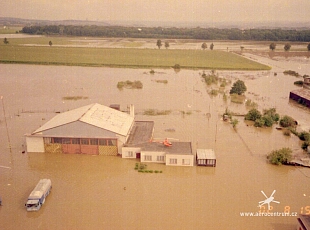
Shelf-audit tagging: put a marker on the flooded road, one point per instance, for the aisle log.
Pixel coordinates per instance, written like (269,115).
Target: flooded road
(97,192)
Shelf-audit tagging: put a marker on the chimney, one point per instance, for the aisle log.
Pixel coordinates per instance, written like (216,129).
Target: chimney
(132,110)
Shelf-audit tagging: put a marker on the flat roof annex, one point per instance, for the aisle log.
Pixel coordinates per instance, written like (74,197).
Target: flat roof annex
(178,148)
(205,154)
(94,114)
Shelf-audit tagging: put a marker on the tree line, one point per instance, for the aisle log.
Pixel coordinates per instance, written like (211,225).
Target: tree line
(172,33)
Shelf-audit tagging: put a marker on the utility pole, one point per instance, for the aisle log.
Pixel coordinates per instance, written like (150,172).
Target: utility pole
(7,130)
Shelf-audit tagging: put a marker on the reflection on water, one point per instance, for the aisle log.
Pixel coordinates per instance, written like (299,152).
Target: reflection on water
(95,192)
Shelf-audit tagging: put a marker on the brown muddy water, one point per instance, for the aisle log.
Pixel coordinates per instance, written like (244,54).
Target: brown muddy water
(97,192)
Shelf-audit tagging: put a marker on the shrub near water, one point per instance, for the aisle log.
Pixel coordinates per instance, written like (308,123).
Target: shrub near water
(281,156)
(287,121)
(130,84)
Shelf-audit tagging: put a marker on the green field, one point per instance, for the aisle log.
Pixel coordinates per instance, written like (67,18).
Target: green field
(16,52)
(9,30)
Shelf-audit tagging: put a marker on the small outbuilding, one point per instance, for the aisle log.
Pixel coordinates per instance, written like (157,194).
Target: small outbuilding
(205,157)
(302,96)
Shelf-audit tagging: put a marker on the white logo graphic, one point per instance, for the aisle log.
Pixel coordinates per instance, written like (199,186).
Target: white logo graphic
(268,200)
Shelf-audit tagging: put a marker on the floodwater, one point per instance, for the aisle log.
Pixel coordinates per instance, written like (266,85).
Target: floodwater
(97,192)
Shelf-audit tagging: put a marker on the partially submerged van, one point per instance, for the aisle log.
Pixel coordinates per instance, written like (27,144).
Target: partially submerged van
(37,197)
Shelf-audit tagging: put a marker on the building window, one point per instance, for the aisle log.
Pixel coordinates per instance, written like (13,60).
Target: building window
(173,161)
(186,161)
(161,158)
(47,140)
(84,142)
(148,158)
(111,142)
(66,141)
(102,142)
(57,140)
(93,141)
(130,154)
(75,141)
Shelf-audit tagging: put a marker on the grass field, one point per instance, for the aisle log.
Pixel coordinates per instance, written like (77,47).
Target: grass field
(16,52)
(9,30)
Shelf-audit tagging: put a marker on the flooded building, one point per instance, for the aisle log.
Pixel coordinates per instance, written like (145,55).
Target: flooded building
(174,154)
(205,157)
(302,96)
(93,129)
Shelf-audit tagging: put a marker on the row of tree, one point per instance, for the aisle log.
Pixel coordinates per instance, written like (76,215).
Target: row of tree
(172,33)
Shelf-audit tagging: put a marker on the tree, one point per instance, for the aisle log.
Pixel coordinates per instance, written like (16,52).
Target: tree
(308,47)
(50,43)
(287,121)
(279,157)
(253,115)
(167,45)
(238,88)
(5,41)
(272,46)
(204,46)
(158,44)
(211,46)
(287,47)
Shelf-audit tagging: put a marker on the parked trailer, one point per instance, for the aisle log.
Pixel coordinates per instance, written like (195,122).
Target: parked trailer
(37,197)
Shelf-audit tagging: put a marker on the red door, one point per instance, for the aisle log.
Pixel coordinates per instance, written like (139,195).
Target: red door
(89,146)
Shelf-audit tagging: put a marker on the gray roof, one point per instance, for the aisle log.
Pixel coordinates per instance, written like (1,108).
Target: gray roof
(205,154)
(304,93)
(141,132)
(95,114)
(182,148)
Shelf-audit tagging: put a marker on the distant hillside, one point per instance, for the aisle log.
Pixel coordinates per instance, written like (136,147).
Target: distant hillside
(171,33)
(6,21)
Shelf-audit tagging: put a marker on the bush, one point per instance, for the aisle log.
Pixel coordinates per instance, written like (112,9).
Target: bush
(279,157)
(287,121)
(253,115)
(304,136)
(260,122)
(299,83)
(177,66)
(268,121)
(272,113)
(238,88)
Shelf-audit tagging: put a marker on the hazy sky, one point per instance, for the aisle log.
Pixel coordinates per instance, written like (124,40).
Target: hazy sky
(160,10)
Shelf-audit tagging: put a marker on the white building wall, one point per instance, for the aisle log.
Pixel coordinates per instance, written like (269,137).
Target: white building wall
(130,152)
(155,157)
(35,144)
(179,160)
(121,140)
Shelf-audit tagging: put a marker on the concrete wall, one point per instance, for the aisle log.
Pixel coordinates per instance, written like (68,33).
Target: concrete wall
(35,144)
(155,157)
(130,152)
(180,159)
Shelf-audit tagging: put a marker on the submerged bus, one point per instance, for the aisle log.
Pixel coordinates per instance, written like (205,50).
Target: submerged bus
(37,197)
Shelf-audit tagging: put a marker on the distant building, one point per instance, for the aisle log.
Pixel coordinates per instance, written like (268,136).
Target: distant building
(306,82)
(303,222)
(302,96)
(93,129)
